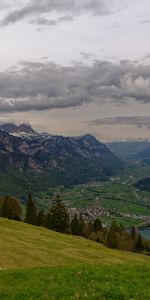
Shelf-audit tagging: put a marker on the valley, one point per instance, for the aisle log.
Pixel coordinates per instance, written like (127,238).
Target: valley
(92,180)
(114,199)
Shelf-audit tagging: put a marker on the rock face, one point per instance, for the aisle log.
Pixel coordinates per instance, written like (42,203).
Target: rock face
(64,160)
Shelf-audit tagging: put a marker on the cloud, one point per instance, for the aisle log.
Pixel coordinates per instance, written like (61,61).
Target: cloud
(86,55)
(44,85)
(137,121)
(67,9)
(50,22)
(145,21)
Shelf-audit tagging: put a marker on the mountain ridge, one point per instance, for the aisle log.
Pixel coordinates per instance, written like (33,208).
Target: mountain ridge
(57,160)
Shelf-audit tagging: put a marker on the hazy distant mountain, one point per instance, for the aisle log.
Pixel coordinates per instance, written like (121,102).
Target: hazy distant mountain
(51,160)
(143,155)
(128,149)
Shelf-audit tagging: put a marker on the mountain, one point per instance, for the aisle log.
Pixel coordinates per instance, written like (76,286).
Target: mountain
(42,161)
(128,149)
(23,130)
(143,155)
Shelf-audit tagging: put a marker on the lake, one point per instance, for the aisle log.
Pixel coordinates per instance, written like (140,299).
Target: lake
(145,233)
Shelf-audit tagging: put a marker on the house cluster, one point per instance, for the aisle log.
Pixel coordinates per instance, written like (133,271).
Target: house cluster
(90,213)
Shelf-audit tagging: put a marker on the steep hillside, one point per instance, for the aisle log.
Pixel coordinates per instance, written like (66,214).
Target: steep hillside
(60,267)
(52,160)
(26,246)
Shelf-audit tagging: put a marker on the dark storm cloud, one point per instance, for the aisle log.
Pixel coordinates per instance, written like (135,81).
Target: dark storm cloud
(137,121)
(67,8)
(41,86)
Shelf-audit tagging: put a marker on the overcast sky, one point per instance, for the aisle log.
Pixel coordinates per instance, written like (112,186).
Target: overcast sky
(72,67)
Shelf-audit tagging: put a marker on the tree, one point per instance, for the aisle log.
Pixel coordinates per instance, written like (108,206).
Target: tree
(6,211)
(31,214)
(48,220)
(10,208)
(97,225)
(82,225)
(134,237)
(112,237)
(134,234)
(139,244)
(40,218)
(58,218)
(76,226)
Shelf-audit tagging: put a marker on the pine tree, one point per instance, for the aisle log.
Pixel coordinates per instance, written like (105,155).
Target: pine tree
(97,225)
(31,215)
(58,217)
(82,225)
(6,211)
(134,237)
(76,226)
(134,234)
(139,244)
(40,218)
(112,237)
(48,220)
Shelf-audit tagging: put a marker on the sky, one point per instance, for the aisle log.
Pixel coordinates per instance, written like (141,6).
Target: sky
(73,67)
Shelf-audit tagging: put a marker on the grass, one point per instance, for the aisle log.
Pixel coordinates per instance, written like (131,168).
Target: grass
(126,221)
(37,263)
(77,282)
(26,246)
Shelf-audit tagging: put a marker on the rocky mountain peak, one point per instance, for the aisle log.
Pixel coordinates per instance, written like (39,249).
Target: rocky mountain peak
(22,130)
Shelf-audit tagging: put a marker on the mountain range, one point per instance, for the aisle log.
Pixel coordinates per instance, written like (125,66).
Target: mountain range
(130,150)
(34,162)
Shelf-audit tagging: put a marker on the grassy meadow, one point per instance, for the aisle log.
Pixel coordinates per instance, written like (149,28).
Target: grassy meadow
(36,263)
(117,282)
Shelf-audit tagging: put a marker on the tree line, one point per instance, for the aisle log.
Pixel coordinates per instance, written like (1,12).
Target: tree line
(58,219)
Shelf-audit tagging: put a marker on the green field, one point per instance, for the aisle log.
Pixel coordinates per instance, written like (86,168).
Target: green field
(36,263)
(117,282)
(118,195)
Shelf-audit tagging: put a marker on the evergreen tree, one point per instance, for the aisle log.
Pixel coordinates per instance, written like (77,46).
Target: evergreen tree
(76,226)
(134,237)
(82,225)
(58,217)
(6,211)
(10,208)
(31,214)
(40,218)
(97,225)
(134,234)
(139,244)
(48,220)
(88,228)
(112,237)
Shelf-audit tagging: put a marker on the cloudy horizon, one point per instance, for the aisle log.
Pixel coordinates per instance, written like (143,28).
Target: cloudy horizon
(71,68)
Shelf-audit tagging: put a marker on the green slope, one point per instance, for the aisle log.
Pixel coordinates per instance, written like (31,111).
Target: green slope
(26,246)
(51,266)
